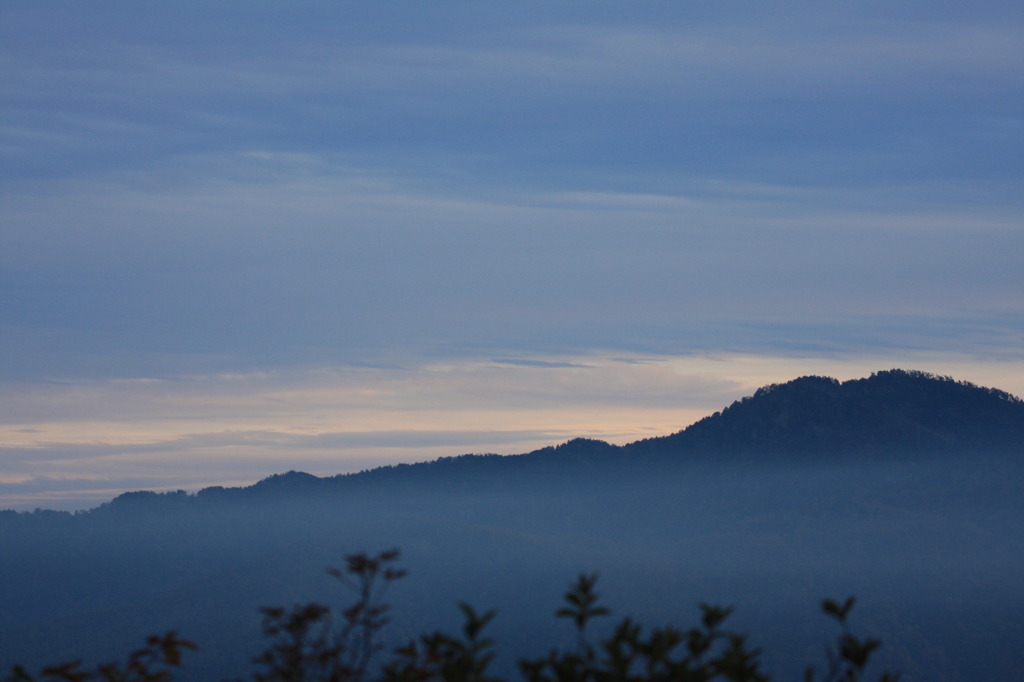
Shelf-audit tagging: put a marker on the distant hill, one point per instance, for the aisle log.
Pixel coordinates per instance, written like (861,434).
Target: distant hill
(891,412)
(894,413)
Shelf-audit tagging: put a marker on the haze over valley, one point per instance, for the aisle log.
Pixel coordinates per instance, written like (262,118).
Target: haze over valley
(902,489)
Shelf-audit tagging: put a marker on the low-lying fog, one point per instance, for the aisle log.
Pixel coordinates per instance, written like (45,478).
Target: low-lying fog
(931,549)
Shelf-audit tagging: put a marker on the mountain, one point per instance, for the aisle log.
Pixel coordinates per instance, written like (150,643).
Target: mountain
(893,413)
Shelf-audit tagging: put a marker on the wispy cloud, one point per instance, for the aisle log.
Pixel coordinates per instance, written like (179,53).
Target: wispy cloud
(317,235)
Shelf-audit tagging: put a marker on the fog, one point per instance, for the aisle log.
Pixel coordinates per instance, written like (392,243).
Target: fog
(930,548)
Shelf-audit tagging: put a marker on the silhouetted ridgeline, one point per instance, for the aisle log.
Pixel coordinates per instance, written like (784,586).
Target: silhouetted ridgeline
(894,413)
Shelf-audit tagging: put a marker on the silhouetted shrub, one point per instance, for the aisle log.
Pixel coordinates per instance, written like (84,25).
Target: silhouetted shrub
(313,643)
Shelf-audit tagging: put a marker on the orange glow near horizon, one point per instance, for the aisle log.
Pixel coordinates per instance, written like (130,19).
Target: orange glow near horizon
(68,445)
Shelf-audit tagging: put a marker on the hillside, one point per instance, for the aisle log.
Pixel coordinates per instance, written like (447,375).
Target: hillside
(891,414)
(895,411)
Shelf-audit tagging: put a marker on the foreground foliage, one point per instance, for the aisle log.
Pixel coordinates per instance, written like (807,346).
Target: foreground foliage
(313,643)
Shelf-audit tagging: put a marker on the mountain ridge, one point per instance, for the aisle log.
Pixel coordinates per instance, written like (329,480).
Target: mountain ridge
(895,410)
(810,418)
(902,411)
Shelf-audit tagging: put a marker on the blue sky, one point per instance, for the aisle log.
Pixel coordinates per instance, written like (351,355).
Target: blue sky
(238,238)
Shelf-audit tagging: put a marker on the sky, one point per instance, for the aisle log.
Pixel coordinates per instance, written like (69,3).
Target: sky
(240,238)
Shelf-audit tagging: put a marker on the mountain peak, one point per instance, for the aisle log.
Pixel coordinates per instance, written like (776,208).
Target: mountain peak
(892,411)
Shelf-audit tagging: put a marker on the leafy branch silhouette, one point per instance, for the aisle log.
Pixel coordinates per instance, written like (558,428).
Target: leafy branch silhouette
(313,643)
